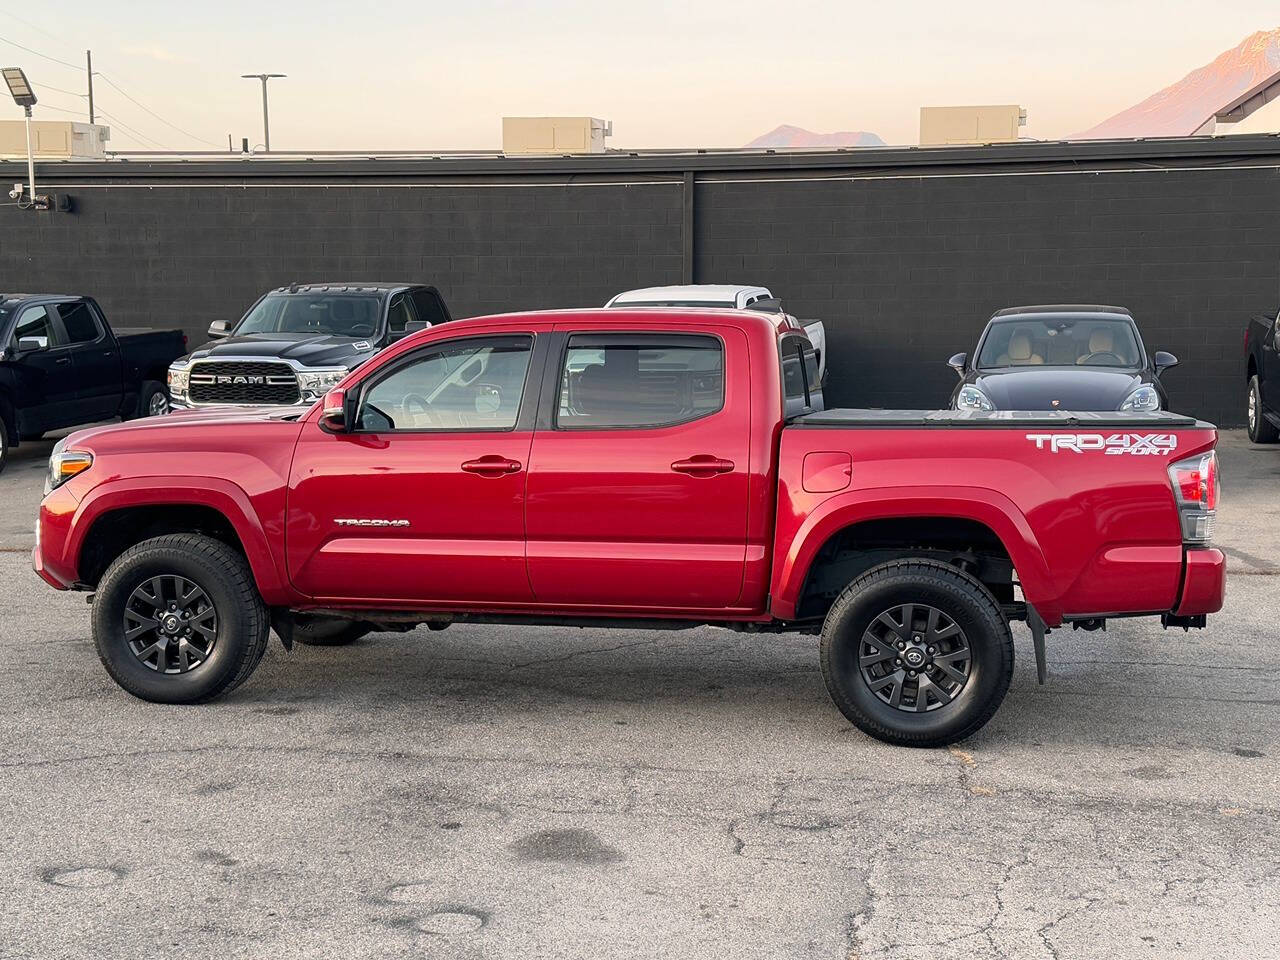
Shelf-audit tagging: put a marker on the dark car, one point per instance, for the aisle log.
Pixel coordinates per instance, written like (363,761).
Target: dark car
(1263,350)
(1062,357)
(298,341)
(61,365)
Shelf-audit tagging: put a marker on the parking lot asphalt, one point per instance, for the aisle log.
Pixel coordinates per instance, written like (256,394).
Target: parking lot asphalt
(511,792)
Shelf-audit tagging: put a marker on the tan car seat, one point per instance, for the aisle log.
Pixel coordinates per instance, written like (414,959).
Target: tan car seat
(1019,354)
(1100,341)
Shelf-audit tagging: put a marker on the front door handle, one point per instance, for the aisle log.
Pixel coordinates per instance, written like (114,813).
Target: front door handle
(492,466)
(703,466)
(61,360)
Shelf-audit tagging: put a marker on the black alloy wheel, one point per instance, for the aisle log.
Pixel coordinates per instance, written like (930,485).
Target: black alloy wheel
(170,624)
(915,658)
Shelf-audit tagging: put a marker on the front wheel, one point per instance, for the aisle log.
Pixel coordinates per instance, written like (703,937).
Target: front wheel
(1261,430)
(917,653)
(178,619)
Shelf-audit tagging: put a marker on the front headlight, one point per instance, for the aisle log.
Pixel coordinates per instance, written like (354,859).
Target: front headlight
(1143,400)
(65,464)
(178,379)
(315,383)
(971,398)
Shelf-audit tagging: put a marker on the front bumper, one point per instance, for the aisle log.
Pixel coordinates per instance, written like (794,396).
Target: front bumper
(53,526)
(1204,582)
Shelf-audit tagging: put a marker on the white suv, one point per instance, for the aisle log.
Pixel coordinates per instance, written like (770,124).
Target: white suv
(726,296)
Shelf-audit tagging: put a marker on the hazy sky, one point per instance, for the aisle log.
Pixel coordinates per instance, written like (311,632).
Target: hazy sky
(668,73)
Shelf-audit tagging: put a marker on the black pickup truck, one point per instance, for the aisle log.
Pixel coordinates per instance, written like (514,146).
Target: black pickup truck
(297,341)
(62,365)
(1262,348)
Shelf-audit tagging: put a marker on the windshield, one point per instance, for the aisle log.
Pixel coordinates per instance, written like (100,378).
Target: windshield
(1058,342)
(336,314)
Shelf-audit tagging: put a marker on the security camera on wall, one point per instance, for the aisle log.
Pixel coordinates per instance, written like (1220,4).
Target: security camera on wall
(16,192)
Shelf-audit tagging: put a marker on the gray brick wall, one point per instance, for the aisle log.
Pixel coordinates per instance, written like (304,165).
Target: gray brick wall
(903,269)
(905,272)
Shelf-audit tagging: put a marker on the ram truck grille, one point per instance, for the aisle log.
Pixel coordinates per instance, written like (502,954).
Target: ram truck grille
(249,381)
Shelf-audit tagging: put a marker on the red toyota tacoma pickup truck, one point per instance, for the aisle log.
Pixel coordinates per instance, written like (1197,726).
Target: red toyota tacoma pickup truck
(631,467)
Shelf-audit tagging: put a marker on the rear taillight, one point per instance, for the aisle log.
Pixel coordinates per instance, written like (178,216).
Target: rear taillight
(1195,488)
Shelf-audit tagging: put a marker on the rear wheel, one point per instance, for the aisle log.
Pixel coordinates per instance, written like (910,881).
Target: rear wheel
(327,631)
(178,619)
(4,444)
(1261,430)
(917,653)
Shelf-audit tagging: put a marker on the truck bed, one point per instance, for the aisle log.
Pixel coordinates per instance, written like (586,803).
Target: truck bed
(1081,501)
(873,417)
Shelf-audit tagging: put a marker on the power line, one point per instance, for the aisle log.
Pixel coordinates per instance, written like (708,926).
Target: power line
(137,135)
(37,29)
(73,66)
(70,93)
(117,86)
(167,123)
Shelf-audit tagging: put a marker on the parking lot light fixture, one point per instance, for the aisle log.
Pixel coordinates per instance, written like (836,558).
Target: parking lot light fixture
(25,97)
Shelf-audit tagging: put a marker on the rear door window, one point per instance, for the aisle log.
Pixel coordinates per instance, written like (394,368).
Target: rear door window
(78,321)
(643,380)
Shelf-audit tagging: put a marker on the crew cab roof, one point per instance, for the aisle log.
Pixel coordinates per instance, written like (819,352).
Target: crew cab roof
(1063,310)
(640,317)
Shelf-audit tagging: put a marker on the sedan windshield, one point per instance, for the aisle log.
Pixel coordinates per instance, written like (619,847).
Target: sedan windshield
(1058,342)
(335,314)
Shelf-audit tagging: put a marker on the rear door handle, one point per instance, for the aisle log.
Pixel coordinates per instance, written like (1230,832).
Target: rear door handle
(63,360)
(703,466)
(492,466)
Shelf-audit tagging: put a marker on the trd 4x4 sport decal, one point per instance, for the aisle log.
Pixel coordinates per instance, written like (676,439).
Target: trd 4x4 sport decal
(1137,444)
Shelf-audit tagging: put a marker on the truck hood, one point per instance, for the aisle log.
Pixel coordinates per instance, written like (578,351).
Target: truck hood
(1074,388)
(146,427)
(309,350)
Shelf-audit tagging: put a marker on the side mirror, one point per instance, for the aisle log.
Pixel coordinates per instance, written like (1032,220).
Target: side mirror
(333,411)
(413,326)
(1163,360)
(957,363)
(219,329)
(32,344)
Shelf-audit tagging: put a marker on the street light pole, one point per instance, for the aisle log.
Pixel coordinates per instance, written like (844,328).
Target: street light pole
(266,124)
(31,161)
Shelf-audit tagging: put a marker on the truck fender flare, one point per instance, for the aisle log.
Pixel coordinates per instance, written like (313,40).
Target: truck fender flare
(218,494)
(988,507)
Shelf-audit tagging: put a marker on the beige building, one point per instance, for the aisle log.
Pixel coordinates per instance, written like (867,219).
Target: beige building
(981,124)
(523,136)
(52,139)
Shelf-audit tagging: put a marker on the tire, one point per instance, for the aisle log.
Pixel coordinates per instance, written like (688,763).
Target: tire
(33,437)
(127,594)
(953,709)
(327,631)
(4,443)
(1261,430)
(153,399)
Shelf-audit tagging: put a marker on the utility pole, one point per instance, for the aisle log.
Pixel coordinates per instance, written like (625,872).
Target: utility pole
(266,126)
(88,64)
